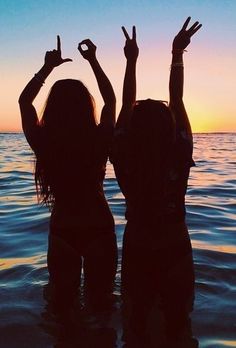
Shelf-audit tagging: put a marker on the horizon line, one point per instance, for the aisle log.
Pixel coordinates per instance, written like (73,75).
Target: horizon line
(204,132)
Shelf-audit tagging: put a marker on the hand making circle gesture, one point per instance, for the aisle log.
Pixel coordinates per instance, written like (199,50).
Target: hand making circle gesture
(182,39)
(53,58)
(131,49)
(90,52)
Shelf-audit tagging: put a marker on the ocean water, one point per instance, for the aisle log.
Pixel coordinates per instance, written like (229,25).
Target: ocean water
(211,217)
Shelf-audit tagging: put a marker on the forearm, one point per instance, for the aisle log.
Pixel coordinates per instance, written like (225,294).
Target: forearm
(176,87)
(33,87)
(129,88)
(104,84)
(129,94)
(28,113)
(176,83)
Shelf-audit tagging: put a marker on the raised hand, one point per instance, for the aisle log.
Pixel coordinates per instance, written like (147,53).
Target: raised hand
(182,39)
(90,52)
(53,58)
(131,49)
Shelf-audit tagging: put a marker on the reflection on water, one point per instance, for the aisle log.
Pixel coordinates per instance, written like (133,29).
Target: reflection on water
(80,329)
(7,263)
(25,320)
(226,343)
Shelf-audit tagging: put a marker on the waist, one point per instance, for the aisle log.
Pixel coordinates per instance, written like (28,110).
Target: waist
(66,195)
(156,236)
(155,215)
(82,215)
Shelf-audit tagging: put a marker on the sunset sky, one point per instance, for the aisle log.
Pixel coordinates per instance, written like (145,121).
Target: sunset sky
(29,29)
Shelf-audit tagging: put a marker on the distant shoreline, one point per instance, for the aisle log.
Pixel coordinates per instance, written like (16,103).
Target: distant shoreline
(194,133)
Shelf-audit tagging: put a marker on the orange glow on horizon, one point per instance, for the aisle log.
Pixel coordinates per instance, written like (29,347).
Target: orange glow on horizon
(208,88)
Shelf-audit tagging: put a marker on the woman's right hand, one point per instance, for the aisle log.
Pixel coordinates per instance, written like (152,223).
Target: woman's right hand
(53,58)
(131,49)
(89,53)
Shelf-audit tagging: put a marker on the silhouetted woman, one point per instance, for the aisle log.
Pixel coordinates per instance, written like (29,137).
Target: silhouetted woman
(71,152)
(152,157)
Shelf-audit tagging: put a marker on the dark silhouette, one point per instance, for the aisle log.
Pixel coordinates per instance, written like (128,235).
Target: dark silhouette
(152,156)
(77,332)
(71,152)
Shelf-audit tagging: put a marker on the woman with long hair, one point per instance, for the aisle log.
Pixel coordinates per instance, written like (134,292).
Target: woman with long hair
(71,151)
(152,156)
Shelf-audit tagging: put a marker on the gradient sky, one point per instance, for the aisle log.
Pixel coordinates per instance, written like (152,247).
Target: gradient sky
(29,29)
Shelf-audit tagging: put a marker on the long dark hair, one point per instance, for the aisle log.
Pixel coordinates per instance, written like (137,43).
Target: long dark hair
(152,129)
(151,141)
(67,127)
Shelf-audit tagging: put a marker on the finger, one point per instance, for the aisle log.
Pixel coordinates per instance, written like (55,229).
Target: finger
(80,47)
(88,42)
(134,33)
(186,23)
(67,60)
(58,43)
(195,29)
(125,33)
(192,28)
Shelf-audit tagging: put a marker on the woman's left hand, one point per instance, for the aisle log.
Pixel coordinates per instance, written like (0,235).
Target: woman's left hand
(53,58)
(182,39)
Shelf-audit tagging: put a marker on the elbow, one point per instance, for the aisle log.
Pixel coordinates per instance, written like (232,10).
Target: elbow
(176,101)
(112,99)
(176,97)
(22,99)
(111,102)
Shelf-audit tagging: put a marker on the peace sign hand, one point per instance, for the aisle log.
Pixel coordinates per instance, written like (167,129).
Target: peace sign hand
(182,39)
(53,58)
(131,49)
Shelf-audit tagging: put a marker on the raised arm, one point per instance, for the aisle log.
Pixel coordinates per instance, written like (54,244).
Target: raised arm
(129,87)
(176,83)
(28,113)
(105,87)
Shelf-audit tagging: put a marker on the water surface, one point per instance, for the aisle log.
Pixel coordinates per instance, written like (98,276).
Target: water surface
(211,207)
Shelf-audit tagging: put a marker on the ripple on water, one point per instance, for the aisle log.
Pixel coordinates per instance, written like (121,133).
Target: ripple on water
(23,243)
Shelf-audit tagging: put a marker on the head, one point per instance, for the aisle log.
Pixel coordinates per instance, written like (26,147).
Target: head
(152,125)
(152,134)
(69,108)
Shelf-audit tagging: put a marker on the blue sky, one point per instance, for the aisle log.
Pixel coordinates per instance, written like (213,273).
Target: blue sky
(29,29)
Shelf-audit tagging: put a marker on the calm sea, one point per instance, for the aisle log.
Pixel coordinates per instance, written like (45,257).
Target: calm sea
(211,216)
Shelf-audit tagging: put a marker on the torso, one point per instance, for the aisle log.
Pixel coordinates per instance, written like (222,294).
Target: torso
(157,195)
(78,186)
